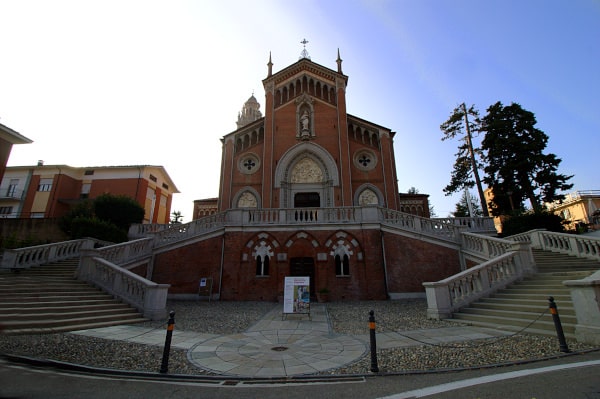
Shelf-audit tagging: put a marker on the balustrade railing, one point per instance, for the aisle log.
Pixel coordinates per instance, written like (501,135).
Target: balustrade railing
(436,227)
(446,228)
(125,252)
(449,295)
(483,224)
(21,258)
(148,297)
(575,245)
(485,247)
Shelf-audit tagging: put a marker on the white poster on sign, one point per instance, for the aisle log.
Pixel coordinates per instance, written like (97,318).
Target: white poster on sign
(296,295)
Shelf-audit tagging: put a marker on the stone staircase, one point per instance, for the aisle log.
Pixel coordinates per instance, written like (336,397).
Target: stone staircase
(48,299)
(520,304)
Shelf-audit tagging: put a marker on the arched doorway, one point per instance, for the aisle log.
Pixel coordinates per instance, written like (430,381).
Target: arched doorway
(304,266)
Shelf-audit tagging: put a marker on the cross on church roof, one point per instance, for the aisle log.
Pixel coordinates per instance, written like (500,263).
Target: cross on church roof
(304,53)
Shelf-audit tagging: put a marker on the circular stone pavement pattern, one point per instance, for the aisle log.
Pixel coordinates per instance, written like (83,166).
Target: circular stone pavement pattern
(275,353)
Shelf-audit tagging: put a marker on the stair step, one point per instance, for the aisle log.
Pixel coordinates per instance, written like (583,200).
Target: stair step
(50,313)
(520,304)
(48,299)
(54,323)
(66,328)
(516,324)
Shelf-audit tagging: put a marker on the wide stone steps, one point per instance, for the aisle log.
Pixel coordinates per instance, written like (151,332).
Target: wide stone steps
(48,299)
(524,306)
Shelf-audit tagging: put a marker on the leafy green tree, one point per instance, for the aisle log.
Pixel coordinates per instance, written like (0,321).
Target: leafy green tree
(515,166)
(465,173)
(106,217)
(120,210)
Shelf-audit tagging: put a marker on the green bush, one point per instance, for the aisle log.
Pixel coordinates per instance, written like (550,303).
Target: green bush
(541,220)
(82,227)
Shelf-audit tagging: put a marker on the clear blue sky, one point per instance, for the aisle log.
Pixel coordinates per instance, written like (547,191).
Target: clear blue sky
(160,82)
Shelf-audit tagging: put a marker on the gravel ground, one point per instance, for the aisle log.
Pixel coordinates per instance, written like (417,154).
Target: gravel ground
(346,318)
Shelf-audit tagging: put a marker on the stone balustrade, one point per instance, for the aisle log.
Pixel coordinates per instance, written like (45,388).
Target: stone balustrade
(484,247)
(585,294)
(570,244)
(449,295)
(127,252)
(27,257)
(148,297)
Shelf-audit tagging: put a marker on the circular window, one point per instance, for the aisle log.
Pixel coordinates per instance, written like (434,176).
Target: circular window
(248,164)
(365,160)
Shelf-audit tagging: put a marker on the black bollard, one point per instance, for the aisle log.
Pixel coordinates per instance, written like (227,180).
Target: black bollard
(558,326)
(374,367)
(164,367)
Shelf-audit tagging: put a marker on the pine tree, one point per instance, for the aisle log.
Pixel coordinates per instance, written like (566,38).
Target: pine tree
(515,166)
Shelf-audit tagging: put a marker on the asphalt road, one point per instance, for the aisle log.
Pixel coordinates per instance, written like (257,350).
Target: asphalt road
(572,377)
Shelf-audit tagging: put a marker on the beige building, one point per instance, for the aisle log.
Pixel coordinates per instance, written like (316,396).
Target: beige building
(578,207)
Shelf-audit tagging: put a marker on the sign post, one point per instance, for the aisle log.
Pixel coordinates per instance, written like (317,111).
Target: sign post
(296,296)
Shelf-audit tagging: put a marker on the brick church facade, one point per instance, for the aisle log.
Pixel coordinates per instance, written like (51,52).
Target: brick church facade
(307,190)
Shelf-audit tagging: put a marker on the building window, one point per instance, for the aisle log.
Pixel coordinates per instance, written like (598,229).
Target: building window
(12,188)
(45,185)
(85,190)
(153,178)
(5,210)
(365,160)
(262,265)
(165,186)
(262,253)
(37,215)
(88,172)
(342,265)
(249,164)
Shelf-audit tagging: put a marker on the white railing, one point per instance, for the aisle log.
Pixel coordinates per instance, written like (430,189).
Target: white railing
(183,231)
(148,297)
(581,246)
(22,258)
(481,224)
(435,227)
(485,247)
(140,230)
(127,252)
(445,228)
(449,295)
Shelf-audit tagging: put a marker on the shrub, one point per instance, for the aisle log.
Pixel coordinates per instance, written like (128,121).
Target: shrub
(541,220)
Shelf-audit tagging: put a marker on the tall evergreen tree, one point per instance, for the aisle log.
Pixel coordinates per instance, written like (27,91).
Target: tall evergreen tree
(464,123)
(515,166)
(467,206)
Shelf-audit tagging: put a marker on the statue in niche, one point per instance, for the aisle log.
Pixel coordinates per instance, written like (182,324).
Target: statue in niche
(305,120)
(305,125)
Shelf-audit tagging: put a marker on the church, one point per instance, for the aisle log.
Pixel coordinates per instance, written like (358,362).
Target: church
(307,190)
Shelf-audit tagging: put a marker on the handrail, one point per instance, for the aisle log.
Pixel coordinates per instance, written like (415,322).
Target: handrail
(127,252)
(485,247)
(22,258)
(148,297)
(581,246)
(449,295)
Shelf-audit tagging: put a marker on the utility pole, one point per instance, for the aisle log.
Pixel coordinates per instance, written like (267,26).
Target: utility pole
(484,207)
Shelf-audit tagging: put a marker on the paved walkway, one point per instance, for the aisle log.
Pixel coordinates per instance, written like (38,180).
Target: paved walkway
(274,347)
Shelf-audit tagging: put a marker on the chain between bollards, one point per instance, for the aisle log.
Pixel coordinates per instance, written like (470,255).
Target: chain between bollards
(164,367)
(374,367)
(558,326)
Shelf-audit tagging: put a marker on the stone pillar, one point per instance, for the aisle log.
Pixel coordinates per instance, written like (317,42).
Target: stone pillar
(585,294)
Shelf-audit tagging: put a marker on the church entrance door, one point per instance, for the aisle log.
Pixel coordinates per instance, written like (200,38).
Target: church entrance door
(302,267)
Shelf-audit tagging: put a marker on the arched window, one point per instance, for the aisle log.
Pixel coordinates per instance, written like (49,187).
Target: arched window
(262,265)
(342,265)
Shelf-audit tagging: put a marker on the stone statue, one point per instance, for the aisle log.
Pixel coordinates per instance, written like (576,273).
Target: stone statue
(304,120)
